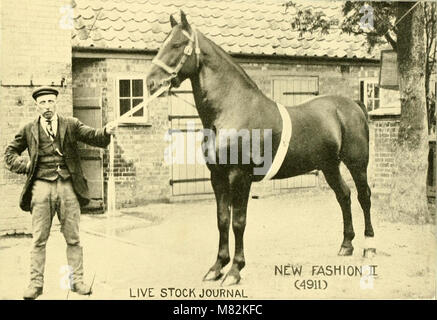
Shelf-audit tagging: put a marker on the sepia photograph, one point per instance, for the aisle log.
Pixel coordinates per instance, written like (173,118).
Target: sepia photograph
(233,150)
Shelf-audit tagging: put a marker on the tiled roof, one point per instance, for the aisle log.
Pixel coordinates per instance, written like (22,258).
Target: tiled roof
(261,27)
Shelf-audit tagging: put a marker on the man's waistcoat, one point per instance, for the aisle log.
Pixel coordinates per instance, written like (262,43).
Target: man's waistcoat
(51,164)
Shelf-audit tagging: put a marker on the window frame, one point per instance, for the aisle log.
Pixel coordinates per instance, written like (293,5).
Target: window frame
(364,96)
(132,119)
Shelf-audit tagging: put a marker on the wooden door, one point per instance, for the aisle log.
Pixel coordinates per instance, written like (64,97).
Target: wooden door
(87,107)
(188,178)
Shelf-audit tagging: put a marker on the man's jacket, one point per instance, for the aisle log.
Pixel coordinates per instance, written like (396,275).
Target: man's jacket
(71,130)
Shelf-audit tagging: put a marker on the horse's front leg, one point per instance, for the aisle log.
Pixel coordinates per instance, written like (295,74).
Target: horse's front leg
(220,184)
(240,183)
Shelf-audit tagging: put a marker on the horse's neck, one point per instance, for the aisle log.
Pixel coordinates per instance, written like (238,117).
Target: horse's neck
(219,77)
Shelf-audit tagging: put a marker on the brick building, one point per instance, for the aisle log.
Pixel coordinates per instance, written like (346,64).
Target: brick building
(34,51)
(98,53)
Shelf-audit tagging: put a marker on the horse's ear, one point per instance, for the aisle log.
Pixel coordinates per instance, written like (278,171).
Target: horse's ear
(173,22)
(184,21)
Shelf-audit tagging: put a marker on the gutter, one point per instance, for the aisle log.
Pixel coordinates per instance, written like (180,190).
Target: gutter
(123,53)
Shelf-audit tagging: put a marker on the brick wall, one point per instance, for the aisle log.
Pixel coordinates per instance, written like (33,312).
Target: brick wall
(35,44)
(35,51)
(385,131)
(333,78)
(140,172)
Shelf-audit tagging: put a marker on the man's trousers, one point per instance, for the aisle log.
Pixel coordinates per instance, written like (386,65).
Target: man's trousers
(48,198)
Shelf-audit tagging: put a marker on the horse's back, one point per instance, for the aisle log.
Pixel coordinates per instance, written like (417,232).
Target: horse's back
(326,102)
(334,111)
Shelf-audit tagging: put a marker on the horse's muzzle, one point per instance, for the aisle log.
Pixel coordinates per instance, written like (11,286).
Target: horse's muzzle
(154,85)
(175,82)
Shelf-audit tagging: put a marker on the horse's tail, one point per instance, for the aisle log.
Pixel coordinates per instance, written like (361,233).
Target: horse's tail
(363,107)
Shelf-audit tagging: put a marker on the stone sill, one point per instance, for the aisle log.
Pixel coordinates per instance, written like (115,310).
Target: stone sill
(385,113)
(27,82)
(134,124)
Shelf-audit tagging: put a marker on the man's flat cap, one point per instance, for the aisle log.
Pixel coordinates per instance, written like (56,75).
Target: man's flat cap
(44,90)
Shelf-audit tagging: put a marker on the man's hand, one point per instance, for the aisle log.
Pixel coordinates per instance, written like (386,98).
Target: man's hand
(110,128)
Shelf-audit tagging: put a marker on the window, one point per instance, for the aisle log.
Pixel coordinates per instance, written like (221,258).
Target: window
(130,93)
(369,94)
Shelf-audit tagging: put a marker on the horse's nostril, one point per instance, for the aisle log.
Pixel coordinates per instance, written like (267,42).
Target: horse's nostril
(150,84)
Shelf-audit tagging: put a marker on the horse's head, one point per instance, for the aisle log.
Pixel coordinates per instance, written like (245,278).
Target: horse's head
(178,57)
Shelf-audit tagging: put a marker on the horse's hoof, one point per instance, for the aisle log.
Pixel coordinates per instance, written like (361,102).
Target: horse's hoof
(212,275)
(369,252)
(346,251)
(230,280)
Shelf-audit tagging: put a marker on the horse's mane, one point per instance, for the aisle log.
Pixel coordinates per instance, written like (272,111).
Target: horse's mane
(229,59)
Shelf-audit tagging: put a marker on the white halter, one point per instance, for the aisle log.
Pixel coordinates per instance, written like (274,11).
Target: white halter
(188,50)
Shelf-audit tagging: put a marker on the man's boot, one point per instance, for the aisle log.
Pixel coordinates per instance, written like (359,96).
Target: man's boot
(32,292)
(81,288)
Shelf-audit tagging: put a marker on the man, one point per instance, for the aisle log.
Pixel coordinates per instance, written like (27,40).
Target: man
(55,182)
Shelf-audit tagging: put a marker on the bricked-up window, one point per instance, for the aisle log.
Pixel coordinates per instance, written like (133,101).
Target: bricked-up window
(130,93)
(369,94)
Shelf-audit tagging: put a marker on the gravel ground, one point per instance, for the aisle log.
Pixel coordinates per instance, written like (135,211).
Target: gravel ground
(143,252)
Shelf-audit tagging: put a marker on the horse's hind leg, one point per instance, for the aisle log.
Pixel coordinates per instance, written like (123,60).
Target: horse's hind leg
(342,192)
(220,185)
(240,183)
(359,175)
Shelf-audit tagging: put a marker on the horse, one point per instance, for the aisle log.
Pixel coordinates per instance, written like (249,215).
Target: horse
(326,130)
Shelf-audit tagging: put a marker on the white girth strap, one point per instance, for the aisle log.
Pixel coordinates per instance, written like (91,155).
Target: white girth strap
(283,145)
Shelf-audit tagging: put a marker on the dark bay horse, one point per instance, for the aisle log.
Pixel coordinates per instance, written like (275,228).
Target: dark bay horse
(326,130)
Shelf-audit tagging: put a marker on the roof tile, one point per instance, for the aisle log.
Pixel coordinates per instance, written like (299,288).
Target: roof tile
(238,26)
